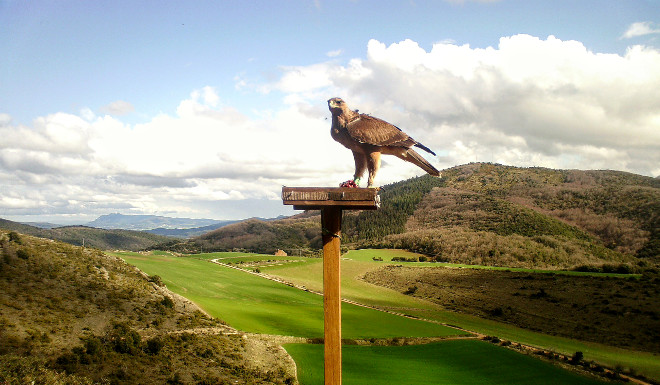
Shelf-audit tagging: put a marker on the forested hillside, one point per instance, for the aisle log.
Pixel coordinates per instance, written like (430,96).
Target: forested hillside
(301,233)
(92,237)
(487,214)
(507,216)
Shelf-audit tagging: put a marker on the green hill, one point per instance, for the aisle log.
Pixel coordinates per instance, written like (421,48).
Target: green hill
(490,214)
(92,237)
(70,315)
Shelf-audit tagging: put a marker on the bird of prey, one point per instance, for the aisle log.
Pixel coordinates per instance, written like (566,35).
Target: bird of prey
(368,138)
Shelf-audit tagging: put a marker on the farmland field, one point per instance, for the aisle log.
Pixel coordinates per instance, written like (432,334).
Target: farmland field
(447,362)
(356,263)
(254,304)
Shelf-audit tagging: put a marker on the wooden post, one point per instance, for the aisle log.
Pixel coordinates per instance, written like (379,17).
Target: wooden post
(331,202)
(331,227)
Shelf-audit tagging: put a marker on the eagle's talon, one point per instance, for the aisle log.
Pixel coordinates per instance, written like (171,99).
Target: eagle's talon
(349,183)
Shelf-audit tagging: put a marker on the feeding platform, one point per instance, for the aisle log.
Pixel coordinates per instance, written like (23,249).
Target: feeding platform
(318,198)
(331,201)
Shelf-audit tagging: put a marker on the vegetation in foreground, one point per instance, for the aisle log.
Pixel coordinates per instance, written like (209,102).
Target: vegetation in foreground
(77,316)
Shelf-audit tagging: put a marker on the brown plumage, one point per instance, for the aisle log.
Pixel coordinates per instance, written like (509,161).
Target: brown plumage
(369,137)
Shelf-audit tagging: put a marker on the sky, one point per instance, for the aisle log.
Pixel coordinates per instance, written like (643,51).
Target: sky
(205,109)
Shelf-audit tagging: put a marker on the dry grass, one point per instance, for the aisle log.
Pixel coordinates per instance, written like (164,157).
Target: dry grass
(614,311)
(73,315)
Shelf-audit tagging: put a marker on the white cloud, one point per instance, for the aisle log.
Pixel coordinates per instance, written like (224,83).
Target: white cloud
(334,53)
(117,108)
(640,29)
(203,152)
(526,102)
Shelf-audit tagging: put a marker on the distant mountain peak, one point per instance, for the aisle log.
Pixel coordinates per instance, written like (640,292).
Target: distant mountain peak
(147,222)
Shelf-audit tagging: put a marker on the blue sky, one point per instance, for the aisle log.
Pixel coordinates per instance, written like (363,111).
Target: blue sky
(206,108)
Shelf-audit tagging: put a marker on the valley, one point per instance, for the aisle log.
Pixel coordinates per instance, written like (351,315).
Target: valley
(551,272)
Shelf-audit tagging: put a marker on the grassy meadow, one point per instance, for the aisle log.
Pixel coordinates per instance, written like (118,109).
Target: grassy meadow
(254,304)
(257,305)
(448,362)
(356,262)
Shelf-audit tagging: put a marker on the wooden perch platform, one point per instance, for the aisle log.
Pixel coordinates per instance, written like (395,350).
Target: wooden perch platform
(331,201)
(344,198)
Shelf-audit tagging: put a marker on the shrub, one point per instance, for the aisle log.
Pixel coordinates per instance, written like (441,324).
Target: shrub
(123,339)
(14,237)
(167,302)
(411,290)
(67,362)
(577,358)
(156,279)
(154,346)
(404,259)
(497,312)
(22,254)
(93,346)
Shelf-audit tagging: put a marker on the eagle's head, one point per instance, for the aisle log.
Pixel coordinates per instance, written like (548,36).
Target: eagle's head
(337,106)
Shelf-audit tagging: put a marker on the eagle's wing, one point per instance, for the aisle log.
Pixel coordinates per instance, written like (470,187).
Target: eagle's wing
(377,132)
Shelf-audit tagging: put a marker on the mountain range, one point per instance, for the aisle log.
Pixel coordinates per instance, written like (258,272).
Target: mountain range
(150,222)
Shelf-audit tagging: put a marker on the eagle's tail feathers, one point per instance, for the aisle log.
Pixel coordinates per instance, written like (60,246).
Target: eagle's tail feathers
(415,158)
(423,147)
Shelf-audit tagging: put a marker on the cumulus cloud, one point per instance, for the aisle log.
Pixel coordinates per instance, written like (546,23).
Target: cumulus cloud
(118,108)
(205,151)
(528,101)
(641,28)
(334,53)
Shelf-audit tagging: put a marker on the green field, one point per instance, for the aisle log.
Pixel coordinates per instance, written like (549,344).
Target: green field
(367,255)
(447,362)
(356,262)
(254,304)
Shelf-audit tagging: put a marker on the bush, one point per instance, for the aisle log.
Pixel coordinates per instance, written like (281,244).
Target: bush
(497,312)
(411,290)
(404,259)
(124,340)
(14,237)
(154,346)
(577,358)
(167,302)
(22,254)
(93,346)
(156,279)
(67,362)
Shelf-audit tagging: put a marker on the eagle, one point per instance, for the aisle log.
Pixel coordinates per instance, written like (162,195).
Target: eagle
(368,138)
